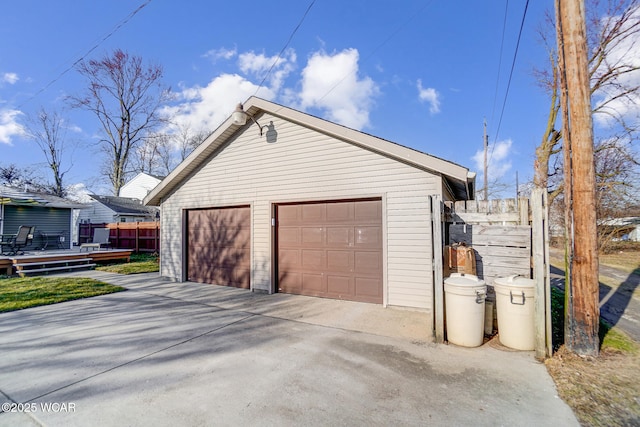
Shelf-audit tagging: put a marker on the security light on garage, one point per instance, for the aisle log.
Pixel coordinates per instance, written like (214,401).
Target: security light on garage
(240,117)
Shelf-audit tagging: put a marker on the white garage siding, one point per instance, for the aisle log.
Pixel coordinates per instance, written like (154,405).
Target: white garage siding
(307,165)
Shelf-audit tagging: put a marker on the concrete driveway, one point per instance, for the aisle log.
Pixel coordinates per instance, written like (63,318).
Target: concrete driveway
(188,354)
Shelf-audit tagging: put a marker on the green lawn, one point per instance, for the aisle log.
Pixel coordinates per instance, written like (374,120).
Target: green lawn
(140,263)
(19,293)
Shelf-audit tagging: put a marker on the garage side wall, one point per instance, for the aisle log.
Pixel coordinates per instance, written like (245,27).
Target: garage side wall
(305,165)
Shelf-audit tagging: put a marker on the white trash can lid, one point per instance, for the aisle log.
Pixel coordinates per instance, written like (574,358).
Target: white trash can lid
(461,279)
(515,281)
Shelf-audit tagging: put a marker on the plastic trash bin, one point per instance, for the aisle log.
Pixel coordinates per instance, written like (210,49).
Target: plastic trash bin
(514,303)
(464,296)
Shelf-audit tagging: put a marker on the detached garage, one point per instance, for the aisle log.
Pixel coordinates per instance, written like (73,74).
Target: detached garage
(305,206)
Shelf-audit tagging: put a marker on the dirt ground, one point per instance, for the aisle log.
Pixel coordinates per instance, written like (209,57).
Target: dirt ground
(602,391)
(605,391)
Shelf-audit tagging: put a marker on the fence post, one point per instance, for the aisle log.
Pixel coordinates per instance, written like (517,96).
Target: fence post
(137,237)
(542,299)
(438,286)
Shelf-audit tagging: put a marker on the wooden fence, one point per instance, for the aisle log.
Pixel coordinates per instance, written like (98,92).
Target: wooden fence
(509,237)
(137,236)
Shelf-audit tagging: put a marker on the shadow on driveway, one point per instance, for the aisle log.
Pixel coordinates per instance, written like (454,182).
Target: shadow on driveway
(164,353)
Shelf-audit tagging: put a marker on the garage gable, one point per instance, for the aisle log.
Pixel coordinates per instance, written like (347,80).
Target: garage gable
(458,179)
(329,215)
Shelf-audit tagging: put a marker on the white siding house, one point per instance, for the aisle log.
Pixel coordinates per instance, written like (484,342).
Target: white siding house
(139,186)
(312,207)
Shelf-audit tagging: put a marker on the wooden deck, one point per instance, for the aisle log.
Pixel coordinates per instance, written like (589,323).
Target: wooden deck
(35,263)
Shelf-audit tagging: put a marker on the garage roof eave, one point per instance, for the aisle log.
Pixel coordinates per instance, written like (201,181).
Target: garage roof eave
(255,106)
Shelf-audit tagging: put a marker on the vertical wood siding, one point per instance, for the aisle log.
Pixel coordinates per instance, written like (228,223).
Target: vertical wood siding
(306,165)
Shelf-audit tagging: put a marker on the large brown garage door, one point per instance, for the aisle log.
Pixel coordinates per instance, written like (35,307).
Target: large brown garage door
(331,249)
(219,246)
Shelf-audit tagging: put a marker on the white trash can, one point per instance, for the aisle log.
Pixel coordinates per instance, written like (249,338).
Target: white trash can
(514,299)
(464,296)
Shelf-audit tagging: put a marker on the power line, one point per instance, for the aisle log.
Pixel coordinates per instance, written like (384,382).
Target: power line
(504,28)
(513,64)
(285,46)
(112,32)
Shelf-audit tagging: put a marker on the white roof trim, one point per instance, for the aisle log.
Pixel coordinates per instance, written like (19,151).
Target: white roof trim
(255,105)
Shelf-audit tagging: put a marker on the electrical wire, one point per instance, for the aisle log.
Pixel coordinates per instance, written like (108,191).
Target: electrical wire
(513,64)
(285,46)
(504,29)
(104,38)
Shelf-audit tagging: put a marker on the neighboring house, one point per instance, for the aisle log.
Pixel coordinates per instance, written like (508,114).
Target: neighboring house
(627,228)
(109,209)
(140,186)
(51,215)
(310,207)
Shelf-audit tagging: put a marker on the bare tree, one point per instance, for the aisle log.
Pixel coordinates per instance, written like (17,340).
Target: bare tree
(146,155)
(154,155)
(189,140)
(166,156)
(616,187)
(125,95)
(48,131)
(613,30)
(23,178)
(160,152)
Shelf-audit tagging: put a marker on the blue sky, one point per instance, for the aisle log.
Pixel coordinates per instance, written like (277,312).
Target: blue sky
(424,74)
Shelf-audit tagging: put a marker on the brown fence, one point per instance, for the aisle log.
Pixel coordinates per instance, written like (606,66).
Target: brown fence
(137,236)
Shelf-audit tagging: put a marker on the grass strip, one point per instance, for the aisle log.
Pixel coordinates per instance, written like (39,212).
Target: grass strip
(25,292)
(140,263)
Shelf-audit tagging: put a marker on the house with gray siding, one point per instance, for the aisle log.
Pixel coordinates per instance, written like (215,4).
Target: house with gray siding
(108,209)
(51,215)
(288,202)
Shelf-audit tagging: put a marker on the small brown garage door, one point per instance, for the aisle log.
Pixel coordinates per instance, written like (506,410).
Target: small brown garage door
(219,246)
(331,249)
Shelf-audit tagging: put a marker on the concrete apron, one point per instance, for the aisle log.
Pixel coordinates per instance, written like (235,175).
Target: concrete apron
(167,353)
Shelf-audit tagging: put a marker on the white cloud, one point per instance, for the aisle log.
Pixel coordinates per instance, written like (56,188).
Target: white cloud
(498,160)
(9,125)
(429,95)
(222,53)
(204,108)
(10,78)
(330,82)
(259,65)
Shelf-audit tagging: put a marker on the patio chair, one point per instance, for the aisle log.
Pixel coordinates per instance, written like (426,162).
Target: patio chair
(100,239)
(20,240)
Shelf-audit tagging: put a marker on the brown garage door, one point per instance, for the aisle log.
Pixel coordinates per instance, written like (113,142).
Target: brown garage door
(219,246)
(331,249)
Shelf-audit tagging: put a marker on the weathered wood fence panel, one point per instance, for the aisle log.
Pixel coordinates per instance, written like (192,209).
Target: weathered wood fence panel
(500,250)
(137,236)
(510,237)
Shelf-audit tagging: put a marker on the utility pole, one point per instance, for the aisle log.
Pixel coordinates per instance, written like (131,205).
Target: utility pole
(581,290)
(486,148)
